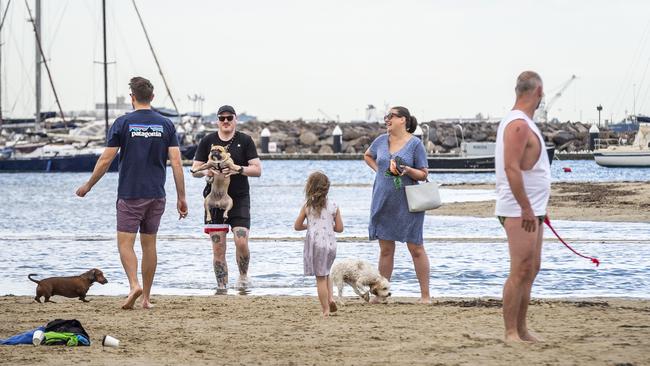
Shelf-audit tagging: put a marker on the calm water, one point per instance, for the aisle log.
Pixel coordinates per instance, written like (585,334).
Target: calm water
(45,229)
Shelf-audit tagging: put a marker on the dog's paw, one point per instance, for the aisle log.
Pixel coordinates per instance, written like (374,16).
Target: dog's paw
(366,296)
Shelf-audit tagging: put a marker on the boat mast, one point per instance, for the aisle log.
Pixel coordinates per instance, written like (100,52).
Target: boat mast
(156,59)
(2,23)
(37,75)
(105,74)
(39,56)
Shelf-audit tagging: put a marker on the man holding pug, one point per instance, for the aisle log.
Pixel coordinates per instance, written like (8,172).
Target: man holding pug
(243,152)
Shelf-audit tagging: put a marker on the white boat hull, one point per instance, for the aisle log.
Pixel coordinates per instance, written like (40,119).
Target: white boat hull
(623,159)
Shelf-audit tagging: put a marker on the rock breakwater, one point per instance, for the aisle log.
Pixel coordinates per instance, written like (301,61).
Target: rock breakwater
(300,137)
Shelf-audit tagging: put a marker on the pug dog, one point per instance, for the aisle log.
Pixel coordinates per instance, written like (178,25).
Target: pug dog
(218,197)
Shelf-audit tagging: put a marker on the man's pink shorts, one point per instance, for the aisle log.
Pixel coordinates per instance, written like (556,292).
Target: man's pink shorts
(141,214)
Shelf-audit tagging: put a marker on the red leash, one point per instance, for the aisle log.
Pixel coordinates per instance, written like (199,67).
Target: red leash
(547,221)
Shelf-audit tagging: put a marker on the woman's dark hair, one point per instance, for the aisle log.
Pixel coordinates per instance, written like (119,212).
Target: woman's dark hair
(411,121)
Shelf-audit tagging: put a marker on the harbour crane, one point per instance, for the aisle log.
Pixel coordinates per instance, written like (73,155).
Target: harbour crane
(541,114)
(327,116)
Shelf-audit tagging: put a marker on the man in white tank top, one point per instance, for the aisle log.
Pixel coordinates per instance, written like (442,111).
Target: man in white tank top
(523,186)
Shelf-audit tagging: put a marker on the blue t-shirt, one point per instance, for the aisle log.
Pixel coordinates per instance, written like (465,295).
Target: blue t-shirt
(143,137)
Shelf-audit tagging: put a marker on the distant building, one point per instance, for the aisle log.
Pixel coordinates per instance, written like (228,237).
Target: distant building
(116,109)
(241,117)
(479,118)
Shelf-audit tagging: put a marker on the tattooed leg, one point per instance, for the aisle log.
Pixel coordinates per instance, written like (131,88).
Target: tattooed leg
(221,273)
(219,260)
(241,246)
(243,255)
(243,264)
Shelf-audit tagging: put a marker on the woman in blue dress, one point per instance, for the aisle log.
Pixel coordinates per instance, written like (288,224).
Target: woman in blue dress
(390,219)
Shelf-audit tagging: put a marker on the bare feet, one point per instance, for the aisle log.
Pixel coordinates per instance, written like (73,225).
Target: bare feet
(243,285)
(146,304)
(242,282)
(333,307)
(424,301)
(531,337)
(513,338)
(326,315)
(130,300)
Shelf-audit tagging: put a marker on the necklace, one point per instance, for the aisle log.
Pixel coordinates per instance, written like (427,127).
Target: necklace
(227,146)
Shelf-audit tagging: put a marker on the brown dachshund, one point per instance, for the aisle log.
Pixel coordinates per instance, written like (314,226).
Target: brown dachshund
(73,286)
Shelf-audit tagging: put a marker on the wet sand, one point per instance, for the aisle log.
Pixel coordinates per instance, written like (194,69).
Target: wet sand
(278,330)
(626,201)
(272,330)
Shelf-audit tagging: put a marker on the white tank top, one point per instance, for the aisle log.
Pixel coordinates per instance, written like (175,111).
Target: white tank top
(537,181)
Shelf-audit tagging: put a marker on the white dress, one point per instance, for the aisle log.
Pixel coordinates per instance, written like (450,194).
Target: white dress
(320,242)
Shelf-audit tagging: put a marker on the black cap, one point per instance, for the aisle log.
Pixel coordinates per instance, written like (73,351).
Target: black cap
(226,108)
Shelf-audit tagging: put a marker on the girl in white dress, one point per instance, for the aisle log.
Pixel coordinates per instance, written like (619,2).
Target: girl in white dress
(323,220)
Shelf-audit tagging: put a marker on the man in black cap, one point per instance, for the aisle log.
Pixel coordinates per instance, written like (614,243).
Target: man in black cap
(247,164)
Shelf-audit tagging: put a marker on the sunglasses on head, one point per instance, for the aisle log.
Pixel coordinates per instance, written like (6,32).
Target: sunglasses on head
(226,118)
(390,116)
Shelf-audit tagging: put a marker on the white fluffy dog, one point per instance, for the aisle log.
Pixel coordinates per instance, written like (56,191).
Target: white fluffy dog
(359,274)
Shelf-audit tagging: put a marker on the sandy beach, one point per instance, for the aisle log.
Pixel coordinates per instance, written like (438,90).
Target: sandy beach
(620,201)
(281,330)
(247,330)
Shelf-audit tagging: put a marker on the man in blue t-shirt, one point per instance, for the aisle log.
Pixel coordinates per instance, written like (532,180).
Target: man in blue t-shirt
(145,140)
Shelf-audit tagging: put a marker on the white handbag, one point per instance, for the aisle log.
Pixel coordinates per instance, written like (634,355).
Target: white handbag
(423,196)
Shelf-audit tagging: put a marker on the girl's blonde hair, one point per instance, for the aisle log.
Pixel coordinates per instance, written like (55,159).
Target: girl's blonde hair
(316,189)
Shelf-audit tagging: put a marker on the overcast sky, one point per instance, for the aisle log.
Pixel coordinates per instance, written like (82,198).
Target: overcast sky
(288,59)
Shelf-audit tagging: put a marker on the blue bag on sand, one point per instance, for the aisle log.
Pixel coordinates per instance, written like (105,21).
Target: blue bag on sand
(83,341)
(22,338)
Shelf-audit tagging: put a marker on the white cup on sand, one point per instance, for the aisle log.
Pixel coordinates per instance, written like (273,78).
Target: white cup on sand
(109,341)
(38,337)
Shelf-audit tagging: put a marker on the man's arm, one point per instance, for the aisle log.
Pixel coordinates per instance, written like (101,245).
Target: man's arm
(515,139)
(101,167)
(174,154)
(195,166)
(254,168)
(200,158)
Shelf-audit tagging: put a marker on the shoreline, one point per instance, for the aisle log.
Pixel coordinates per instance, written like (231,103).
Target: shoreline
(282,330)
(359,156)
(607,201)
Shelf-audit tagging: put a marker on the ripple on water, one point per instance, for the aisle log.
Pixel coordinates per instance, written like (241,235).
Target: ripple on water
(72,235)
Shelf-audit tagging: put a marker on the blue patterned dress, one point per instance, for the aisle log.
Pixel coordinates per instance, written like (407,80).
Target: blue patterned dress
(390,218)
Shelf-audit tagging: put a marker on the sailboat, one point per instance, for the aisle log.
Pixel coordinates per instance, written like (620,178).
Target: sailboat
(473,157)
(47,157)
(636,155)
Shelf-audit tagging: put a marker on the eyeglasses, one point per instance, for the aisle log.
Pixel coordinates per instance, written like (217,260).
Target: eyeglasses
(390,116)
(226,118)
